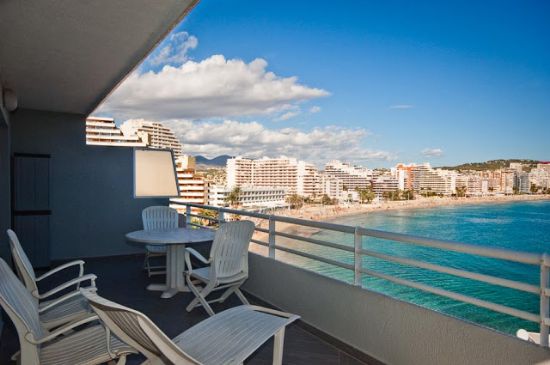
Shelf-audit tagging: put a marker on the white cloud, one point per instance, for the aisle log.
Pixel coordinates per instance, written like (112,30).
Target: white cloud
(315,109)
(288,115)
(214,87)
(432,152)
(173,51)
(402,106)
(254,140)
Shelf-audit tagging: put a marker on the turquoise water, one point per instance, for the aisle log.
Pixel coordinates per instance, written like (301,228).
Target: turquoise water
(522,226)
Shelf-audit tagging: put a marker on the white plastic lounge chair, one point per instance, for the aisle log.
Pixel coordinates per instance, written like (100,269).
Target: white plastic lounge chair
(64,345)
(157,218)
(229,337)
(528,336)
(57,310)
(228,265)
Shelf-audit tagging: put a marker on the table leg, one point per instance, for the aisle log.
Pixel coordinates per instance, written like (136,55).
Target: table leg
(175,268)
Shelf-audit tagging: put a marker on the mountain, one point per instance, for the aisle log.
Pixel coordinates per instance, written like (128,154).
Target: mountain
(219,161)
(489,165)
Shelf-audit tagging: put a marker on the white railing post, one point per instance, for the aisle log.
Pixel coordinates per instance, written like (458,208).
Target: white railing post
(187,216)
(221,217)
(544,302)
(271,237)
(358,258)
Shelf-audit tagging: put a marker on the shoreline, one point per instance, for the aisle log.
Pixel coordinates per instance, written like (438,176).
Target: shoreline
(329,213)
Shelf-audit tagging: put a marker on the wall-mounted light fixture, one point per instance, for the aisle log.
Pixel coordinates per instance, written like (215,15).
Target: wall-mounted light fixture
(10,99)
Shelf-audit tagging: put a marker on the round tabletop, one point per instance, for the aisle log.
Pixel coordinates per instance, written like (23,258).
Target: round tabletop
(178,236)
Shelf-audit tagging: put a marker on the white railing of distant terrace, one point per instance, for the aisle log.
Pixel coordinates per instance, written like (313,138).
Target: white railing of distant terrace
(540,260)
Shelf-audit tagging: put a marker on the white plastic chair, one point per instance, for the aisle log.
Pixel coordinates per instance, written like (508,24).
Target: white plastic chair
(57,310)
(228,265)
(157,218)
(229,337)
(63,346)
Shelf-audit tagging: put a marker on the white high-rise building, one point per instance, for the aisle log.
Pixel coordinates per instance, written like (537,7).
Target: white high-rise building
(384,184)
(238,172)
(250,197)
(296,177)
(438,181)
(352,177)
(154,134)
(193,188)
(104,132)
(331,186)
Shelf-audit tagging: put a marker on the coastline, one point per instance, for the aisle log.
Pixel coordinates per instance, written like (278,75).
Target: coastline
(329,212)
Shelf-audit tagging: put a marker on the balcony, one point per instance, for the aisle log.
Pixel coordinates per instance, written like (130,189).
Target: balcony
(90,207)
(301,346)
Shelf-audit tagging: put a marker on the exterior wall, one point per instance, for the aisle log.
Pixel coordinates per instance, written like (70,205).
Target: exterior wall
(387,329)
(91,187)
(5,179)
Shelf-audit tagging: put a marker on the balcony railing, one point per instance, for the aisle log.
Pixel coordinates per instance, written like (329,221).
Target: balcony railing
(540,261)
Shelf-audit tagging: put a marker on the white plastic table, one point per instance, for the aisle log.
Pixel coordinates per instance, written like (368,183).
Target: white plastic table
(175,242)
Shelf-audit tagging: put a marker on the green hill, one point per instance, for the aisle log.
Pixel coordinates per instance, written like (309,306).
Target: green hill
(490,165)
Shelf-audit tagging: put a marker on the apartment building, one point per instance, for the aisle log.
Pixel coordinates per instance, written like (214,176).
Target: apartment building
(383,184)
(154,134)
(104,132)
(193,188)
(403,173)
(475,184)
(352,177)
(331,186)
(294,176)
(238,172)
(250,197)
(508,181)
(425,179)
(540,176)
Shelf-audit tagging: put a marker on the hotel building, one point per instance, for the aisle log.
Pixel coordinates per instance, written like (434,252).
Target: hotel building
(426,179)
(384,184)
(104,132)
(352,177)
(250,197)
(295,177)
(193,188)
(154,134)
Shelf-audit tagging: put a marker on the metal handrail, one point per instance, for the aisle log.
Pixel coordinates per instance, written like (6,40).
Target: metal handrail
(541,260)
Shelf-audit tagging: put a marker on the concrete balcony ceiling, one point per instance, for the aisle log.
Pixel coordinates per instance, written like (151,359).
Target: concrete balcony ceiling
(67,56)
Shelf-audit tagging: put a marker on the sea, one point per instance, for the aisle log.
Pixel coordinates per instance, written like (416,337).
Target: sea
(520,226)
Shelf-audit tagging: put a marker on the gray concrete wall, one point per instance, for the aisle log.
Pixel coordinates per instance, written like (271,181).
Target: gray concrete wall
(387,329)
(91,187)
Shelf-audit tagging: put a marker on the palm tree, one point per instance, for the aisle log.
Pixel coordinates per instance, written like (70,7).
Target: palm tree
(366,194)
(326,200)
(233,196)
(295,201)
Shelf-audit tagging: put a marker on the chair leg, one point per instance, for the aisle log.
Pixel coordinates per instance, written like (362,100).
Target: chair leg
(278,346)
(200,297)
(195,291)
(241,296)
(227,293)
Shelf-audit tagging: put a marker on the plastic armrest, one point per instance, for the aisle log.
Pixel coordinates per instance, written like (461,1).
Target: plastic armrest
(188,252)
(197,255)
(291,317)
(61,330)
(63,267)
(75,281)
(61,299)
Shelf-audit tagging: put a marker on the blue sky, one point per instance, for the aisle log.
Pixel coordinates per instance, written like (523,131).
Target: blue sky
(393,81)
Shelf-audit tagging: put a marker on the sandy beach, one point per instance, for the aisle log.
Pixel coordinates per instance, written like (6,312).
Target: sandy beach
(329,212)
